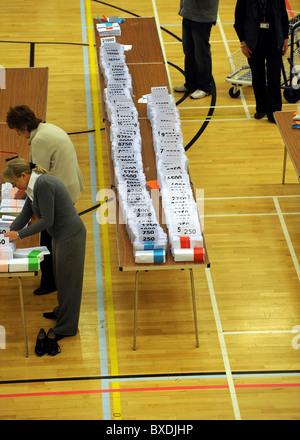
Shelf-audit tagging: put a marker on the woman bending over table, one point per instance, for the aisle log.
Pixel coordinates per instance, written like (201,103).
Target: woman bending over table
(50,201)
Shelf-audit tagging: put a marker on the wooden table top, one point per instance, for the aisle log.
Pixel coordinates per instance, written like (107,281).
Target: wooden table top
(149,71)
(290,136)
(28,86)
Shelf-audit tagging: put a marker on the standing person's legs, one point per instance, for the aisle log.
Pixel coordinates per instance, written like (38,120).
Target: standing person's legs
(274,57)
(258,70)
(196,47)
(69,270)
(47,284)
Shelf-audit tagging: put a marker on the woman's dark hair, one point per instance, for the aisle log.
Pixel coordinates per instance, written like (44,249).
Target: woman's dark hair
(21,117)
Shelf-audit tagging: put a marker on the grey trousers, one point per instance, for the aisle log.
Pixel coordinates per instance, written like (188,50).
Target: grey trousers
(68,262)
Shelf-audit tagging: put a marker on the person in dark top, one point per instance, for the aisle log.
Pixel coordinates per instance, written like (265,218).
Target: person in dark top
(262,27)
(50,201)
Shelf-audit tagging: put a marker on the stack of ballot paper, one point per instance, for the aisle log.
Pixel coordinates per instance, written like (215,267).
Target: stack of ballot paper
(180,208)
(106,29)
(8,202)
(20,260)
(146,235)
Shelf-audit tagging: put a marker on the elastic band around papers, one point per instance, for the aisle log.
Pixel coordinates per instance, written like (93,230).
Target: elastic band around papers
(149,246)
(185,242)
(33,263)
(158,255)
(198,254)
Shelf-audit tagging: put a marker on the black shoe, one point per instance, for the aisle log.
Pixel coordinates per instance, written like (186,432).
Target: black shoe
(49,315)
(259,115)
(271,118)
(52,346)
(44,290)
(41,343)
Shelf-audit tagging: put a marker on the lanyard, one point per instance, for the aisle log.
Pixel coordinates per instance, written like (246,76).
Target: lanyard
(263,7)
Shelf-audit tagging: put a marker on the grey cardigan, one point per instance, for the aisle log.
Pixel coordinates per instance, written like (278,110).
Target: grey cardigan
(203,11)
(54,208)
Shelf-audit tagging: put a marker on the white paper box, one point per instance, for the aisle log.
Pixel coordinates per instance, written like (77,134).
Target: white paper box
(23,265)
(196,254)
(155,256)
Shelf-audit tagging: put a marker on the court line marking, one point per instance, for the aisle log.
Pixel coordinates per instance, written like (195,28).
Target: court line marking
(225,356)
(104,227)
(242,96)
(96,233)
(143,389)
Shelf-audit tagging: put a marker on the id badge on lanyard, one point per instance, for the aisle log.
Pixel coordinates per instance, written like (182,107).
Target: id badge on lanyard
(263,5)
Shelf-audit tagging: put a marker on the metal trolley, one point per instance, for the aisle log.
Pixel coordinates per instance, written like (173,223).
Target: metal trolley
(240,72)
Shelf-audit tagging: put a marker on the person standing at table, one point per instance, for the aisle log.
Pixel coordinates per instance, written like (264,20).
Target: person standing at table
(53,150)
(263,28)
(198,18)
(49,200)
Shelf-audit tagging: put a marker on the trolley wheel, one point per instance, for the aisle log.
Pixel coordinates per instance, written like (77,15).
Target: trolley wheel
(291,95)
(234,94)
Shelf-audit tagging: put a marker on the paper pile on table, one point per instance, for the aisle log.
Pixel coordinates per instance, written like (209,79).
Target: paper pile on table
(146,235)
(106,29)
(8,202)
(180,208)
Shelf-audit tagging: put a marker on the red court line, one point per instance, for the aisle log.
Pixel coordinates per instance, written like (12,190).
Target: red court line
(130,390)
(288,7)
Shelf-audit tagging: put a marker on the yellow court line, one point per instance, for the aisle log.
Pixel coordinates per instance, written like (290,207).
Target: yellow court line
(105,236)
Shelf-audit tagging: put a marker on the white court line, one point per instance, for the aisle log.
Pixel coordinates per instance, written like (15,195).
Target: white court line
(248,197)
(223,346)
(258,332)
(228,55)
(251,214)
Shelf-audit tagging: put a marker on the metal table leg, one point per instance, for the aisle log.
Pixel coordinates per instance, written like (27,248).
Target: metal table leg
(284,164)
(23,315)
(135,307)
(194,306)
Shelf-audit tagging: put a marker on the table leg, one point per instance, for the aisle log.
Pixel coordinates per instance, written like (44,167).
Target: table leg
(194,306)
(23,315)
(284,164)
(135,307)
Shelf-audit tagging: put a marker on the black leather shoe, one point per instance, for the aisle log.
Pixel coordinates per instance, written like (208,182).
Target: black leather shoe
(259,115)
(44,291)
(52,346)
(41,343)
(49,315)
(271,118)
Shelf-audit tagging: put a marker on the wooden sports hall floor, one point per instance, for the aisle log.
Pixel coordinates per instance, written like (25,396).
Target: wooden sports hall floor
(248,363)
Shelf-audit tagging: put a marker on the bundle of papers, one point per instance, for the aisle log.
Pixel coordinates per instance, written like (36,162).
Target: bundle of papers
(107,29)
(8,202)
(19,260)
(20,264)
(136,207)
(180,208)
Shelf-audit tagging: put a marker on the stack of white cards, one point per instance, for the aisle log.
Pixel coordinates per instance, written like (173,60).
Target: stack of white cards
(108,29)
(20,260)
(146,235)
(180,208)
(8,202)
(6,248)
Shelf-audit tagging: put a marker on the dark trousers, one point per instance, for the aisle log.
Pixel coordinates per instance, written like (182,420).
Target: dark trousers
(68,260)
(196,48)
(47,278)
(265,64)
